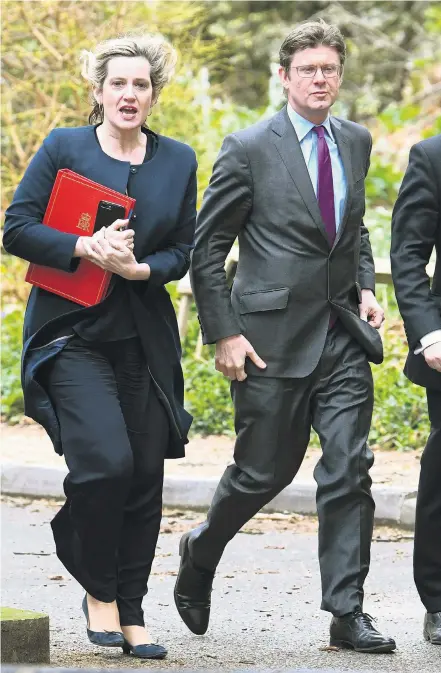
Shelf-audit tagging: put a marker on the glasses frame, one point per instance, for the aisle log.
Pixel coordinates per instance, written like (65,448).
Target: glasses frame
(317,67)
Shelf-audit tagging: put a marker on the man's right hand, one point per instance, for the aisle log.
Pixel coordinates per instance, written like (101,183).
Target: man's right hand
(231,354)
(432,355)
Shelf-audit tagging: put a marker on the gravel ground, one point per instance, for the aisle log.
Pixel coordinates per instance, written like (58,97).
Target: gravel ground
(206,457)
(265,600)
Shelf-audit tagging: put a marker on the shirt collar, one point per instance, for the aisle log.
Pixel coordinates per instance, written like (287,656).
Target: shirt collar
(303,126)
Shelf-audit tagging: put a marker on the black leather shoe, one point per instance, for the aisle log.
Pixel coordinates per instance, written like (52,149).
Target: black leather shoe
(147,651)
(103,638)
(193,591)
(432,627)
(356,632)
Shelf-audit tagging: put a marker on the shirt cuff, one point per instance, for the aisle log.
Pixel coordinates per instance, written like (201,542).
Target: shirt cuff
(428,340)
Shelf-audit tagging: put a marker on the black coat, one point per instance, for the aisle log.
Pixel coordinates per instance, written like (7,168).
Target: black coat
(416,232)
(164,222)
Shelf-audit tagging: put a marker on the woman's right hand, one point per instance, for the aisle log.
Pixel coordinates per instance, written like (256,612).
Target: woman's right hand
(116,234)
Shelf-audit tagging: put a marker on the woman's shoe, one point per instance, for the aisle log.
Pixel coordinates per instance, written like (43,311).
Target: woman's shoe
(103,638)
(148,651)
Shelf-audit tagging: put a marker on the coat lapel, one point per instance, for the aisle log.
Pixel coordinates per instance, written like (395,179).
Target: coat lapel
(288,146)
(344,150)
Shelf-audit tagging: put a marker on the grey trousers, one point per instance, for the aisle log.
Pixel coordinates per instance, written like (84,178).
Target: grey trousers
(273,420)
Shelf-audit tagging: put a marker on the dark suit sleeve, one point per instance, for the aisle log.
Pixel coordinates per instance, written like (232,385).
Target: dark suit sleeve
(414,229)
(173,261)
(366,269)
(227,202)
(24,234)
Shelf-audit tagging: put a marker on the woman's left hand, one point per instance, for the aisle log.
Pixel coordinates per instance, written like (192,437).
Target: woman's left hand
(120,261)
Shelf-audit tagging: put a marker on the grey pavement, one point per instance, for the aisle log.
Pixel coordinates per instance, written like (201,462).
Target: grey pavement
(265,601)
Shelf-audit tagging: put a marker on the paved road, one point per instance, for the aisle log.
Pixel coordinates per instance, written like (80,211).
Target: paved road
(266,601)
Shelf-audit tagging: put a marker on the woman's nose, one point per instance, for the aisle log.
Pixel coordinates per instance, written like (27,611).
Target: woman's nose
(129,92)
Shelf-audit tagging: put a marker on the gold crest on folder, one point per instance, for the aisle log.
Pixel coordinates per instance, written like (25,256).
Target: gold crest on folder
(84,222)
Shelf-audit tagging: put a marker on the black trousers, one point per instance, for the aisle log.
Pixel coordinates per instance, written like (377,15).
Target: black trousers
(114,433)
(427,552)
(273,419)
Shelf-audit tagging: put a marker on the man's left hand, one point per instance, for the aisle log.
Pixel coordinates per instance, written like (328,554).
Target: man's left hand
(370,310)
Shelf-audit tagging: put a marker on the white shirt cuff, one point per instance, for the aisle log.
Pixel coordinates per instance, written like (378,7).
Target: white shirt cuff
(428,340)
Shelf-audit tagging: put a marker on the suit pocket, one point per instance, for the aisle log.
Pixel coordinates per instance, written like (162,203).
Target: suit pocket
(264,300)
(367,336)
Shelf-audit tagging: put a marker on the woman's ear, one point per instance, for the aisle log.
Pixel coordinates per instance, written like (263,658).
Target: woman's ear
(98,95)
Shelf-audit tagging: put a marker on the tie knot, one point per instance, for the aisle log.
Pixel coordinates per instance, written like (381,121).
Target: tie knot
(320,130)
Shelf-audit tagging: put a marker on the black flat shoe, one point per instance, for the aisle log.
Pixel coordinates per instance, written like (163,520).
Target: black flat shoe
(355,631)
(103,638)
(147,651)
(193,591)
(432,627)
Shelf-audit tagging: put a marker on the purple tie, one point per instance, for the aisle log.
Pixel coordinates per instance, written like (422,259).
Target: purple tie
(325,192)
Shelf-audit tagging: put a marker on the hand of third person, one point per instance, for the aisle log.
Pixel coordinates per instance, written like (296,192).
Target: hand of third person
(231,354)
(432,356)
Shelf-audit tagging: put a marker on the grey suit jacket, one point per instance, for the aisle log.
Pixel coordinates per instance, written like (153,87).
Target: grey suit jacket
(416,232)
(288,277)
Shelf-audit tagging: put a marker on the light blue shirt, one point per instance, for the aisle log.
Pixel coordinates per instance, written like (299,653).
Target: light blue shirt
(308,143)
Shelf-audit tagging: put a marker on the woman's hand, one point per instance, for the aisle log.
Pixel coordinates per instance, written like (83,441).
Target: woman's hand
(98,250)
(118,235)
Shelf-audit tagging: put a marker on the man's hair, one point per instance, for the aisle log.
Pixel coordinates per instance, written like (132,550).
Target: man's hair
(310,34)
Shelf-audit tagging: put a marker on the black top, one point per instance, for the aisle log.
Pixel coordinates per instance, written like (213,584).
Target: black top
(116,322)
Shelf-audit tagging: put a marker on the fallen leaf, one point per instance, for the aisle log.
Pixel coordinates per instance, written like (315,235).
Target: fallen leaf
(329,648)
(56,577)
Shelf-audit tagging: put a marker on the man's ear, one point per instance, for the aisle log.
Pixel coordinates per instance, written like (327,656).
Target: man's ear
(283,76)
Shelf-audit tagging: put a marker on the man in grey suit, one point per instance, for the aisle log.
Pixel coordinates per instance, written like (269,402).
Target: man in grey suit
(297,331)
(416,233)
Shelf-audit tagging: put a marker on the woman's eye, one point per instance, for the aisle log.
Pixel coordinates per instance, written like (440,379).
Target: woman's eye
(142,85)
(118,83)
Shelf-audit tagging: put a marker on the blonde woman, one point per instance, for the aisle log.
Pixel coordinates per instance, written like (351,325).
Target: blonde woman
(106,382)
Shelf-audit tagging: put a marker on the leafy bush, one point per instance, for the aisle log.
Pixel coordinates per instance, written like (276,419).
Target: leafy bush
(11,395)
(400,419)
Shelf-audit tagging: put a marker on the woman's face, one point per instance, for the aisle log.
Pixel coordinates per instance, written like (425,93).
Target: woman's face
(127,92)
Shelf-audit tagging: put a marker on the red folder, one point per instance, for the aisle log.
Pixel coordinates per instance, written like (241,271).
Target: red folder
(72,208)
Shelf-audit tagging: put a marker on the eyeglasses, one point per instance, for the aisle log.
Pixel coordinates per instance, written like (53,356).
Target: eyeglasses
(306,71)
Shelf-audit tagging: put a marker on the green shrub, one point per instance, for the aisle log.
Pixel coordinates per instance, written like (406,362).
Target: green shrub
(11,395)
(400,418)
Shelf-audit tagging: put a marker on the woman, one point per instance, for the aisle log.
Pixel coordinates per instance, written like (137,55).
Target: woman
(105,381)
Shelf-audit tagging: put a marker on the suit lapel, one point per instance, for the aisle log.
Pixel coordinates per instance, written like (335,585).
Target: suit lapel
(288,146)
(344,150)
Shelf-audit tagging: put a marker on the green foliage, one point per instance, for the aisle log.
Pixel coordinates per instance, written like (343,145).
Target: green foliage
(207,396)
(399,422)
(400,418)
(11,395)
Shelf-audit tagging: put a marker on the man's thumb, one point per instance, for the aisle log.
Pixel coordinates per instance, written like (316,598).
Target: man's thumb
(256,359)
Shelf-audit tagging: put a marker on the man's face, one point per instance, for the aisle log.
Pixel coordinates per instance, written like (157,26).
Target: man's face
(311,95)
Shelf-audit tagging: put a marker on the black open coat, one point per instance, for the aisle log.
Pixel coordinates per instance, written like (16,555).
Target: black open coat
(164,222)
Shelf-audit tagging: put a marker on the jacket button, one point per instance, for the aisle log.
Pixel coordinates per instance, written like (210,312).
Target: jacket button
(134,216)
(133,169)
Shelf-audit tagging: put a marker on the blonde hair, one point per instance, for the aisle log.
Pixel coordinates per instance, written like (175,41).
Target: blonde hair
(154,48)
